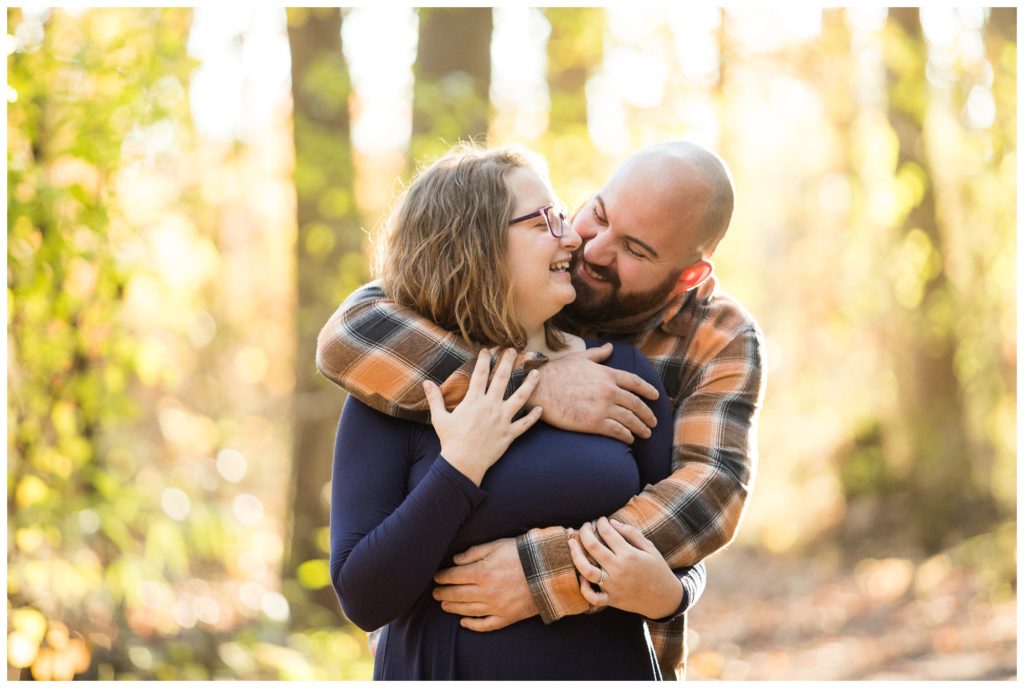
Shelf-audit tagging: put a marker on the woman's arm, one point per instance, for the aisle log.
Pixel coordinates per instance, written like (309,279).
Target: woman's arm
(386,544)
(387,541)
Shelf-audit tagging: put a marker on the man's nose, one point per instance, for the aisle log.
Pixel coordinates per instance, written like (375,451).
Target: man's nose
(597,251)
(585,230)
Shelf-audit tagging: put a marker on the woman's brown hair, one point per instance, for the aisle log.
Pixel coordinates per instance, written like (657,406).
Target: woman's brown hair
(444,246)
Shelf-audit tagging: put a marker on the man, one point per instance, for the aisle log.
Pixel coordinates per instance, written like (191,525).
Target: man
(643,275)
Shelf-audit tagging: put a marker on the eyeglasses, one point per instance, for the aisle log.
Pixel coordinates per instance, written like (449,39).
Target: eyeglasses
(554,219)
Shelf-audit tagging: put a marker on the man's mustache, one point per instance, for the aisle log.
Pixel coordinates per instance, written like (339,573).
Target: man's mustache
(604,273)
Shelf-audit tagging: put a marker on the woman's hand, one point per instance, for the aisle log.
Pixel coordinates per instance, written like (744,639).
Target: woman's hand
(478,431)
(630,572)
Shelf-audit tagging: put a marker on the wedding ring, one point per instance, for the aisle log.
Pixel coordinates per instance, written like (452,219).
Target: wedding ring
(600,580)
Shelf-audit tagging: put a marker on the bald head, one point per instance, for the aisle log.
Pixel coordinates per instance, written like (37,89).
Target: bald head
(688,183)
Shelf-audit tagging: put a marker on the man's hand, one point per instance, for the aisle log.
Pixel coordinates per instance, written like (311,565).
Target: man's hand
(578,393)
(487,587)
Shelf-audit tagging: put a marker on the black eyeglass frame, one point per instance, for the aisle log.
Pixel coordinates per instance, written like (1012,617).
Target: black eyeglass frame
(543,212)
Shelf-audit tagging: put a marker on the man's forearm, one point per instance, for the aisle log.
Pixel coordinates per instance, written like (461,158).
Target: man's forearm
(696,510)
(550,573)
(710,503)
(381,353)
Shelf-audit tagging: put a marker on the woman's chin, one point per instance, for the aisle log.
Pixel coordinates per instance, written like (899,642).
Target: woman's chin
(569,295)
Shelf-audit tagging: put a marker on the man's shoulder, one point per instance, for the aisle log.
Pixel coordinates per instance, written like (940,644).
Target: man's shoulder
(711,328)
(709,324)
(712,313)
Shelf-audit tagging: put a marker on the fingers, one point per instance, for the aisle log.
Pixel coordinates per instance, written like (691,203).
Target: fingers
(522,395)
(463,594)
(636,406)
(611,537)
(459,575)
(601,554)
(587,570)
(466,608)
(597,598)
(483,625)
(634,536)
(478,381)
(476,552)
(628,419)
(434,400)
(599,353)
(616,430)
(502,373)
(526,422)
(635,384)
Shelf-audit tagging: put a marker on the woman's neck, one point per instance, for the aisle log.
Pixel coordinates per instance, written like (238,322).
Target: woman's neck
(537,341)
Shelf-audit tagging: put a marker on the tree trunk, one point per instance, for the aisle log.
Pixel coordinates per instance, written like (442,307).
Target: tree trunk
(946,501)
(328,232)
(575,50)
(451,99)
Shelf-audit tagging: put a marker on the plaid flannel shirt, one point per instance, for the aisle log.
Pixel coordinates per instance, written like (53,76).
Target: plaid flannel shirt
(707,350)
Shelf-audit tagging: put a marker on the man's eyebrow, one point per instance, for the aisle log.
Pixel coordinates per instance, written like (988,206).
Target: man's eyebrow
(632,239)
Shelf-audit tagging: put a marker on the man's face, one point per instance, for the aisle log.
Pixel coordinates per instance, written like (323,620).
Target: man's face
(634,247)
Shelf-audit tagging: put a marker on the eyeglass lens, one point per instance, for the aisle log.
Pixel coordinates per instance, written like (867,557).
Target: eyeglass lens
(556,221)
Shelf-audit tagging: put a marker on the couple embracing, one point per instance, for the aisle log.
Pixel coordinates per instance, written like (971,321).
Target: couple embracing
(551,423)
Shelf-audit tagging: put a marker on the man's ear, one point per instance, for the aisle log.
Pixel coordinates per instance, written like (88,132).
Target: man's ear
(693,276)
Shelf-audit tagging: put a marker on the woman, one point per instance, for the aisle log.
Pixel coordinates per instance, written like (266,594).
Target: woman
(476,244)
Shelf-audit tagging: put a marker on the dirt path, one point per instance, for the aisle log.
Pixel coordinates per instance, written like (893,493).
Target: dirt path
(769,618)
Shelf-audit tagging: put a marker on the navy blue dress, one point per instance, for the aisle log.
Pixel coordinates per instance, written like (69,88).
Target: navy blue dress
(400,511)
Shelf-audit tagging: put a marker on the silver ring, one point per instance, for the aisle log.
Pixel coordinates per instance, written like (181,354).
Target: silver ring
(600,580)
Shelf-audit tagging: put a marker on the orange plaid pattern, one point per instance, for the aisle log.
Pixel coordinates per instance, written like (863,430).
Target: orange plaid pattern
(708,351)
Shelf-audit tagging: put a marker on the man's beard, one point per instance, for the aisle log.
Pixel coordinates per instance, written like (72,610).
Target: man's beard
(594,308)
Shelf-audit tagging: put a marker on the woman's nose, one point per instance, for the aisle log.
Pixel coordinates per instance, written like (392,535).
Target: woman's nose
(570,239)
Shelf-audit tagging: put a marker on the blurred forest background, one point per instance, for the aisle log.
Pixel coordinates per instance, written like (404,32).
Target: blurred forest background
(191,193)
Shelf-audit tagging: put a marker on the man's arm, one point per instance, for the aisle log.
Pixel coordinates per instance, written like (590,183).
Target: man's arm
(381,353)
(696,510)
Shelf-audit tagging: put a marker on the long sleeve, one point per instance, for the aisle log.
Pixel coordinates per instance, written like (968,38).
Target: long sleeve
(387,541)
(668,635)
(696,510)
(693,512)
(544,552)
(693,579)
(381,352)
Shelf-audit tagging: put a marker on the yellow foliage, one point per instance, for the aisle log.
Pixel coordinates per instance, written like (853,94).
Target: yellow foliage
(31,490)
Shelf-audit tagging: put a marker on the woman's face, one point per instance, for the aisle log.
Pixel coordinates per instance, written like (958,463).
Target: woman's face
(538,262)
